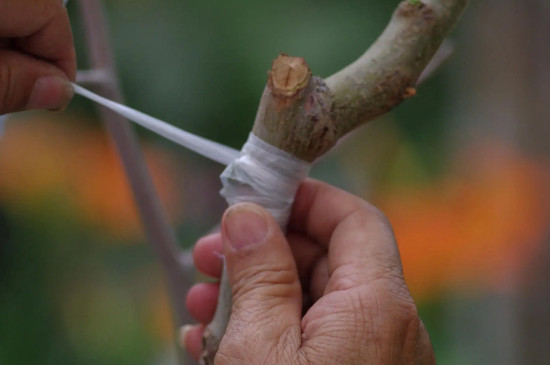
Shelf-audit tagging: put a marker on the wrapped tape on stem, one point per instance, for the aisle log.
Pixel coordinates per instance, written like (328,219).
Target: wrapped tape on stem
(260,173)
(264,175)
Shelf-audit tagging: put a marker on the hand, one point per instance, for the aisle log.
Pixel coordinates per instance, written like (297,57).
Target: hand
(37,56)
(341,266)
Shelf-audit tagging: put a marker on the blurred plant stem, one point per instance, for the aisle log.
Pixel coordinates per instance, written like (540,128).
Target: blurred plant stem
(178,271)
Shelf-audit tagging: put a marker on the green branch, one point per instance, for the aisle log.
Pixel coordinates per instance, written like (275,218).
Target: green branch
(386,74)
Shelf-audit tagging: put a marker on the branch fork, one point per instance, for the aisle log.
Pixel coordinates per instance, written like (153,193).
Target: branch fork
(305,115)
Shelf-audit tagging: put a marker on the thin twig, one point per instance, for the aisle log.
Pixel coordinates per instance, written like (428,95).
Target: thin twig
(178,277)
(442,55)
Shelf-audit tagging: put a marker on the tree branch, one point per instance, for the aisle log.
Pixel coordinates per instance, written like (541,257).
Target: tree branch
(294,112)
(384,75)
(306,116)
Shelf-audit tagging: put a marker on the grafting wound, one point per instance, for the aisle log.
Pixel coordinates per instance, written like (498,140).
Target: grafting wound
(265,175)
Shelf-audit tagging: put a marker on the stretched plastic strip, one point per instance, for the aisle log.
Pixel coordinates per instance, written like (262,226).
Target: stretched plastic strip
(265,175)
(205,147)
(260,173)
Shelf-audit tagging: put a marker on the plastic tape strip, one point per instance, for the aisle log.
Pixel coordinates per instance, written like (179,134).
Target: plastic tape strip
(205,147)
(260,173)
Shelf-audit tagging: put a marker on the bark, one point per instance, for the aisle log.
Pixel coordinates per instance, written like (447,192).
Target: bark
(387,73)
(306,116)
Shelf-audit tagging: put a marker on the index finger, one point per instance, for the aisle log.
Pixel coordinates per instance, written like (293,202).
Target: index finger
(357,235)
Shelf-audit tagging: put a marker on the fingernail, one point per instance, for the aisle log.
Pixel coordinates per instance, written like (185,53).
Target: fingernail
(183,331)
(244,226)
(50,92)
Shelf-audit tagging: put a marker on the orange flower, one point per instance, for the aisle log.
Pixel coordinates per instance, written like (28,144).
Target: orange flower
(478,227)
(41,156)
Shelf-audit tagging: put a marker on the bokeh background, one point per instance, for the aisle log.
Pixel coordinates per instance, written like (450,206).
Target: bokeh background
(462,170)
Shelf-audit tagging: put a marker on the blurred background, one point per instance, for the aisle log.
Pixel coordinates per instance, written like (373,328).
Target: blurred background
(462,170)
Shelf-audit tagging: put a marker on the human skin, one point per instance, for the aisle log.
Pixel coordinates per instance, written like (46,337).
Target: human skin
(331,292)
(37,56)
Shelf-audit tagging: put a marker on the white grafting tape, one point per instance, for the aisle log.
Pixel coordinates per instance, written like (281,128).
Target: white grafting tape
(260,173)
(210,149)
(265,175)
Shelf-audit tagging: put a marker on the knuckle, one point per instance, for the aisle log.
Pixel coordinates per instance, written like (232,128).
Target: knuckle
(367,215)
(373,212)
(395,318)
(415,337)
(405,318)
(409,313)
(268,279)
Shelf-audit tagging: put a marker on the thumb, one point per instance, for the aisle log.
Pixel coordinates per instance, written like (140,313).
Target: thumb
(28,83)
(267,297)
